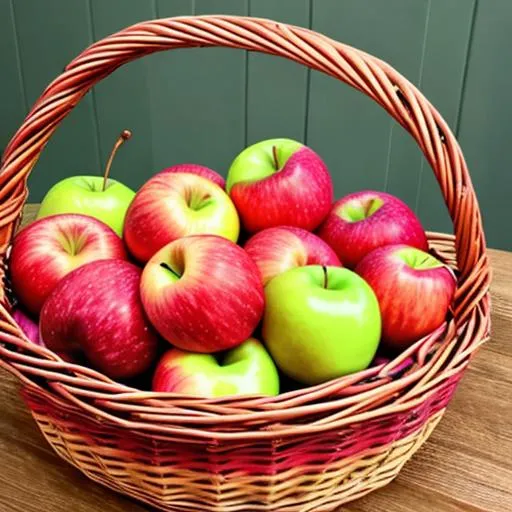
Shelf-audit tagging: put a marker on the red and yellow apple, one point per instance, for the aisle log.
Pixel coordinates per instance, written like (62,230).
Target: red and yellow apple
(172,205)
(363,221)
(48,249)
(202,293)
(275,250)
(245,370)
(414,290)
(96,311)
(280,182)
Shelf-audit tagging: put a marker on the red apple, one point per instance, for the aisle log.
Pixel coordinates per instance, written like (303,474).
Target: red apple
(172,205)
(96,310)
(48,249)
(203,293)
(200,170)
(275,250)
(363,221)
(280,182)
(414,290)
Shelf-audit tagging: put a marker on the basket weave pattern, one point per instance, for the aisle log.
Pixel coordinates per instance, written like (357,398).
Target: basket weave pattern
(306,450)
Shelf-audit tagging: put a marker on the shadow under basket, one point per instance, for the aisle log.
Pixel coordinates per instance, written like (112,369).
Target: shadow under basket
(307,450)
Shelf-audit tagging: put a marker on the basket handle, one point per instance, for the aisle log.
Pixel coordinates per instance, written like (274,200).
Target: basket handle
(375,78)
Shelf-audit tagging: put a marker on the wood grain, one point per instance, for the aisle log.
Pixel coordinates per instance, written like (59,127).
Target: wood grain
(466,466)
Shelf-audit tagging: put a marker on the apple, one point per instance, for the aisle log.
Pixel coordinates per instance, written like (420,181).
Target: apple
(414,290)
(202,293)
(96,311)
(98,196)
(200,170)
(28,326)
(363,221)
(245,370)
(48,249)
(173,205)
(280,182)
(275,250)
(320,323)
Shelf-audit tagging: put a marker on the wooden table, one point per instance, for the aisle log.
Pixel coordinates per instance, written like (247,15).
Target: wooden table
(466,466)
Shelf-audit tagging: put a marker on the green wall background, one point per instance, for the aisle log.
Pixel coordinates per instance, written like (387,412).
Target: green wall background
(205,105)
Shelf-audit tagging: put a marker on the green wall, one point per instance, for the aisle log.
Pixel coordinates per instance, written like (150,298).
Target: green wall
(205,105)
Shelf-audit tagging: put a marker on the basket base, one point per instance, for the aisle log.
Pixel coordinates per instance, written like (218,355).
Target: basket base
(343,481)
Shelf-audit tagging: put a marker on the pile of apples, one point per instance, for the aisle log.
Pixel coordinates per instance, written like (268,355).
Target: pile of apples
(153,284)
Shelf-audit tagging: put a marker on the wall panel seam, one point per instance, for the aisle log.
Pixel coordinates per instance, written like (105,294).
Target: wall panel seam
(21,76)
(308,81)
(420,83)
(92,36)
(466,67)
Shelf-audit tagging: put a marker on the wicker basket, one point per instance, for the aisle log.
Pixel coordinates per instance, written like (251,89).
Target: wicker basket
(306,450)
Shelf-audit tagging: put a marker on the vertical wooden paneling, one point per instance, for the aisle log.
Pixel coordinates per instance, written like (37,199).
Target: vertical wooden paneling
(204,105)
(277,88)
(166,86)
(485,121)
(50,34)
(198,96)
(351,132)
(13,105)
(443,75)
(122,99)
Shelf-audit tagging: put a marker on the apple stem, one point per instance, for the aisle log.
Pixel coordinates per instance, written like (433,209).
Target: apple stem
(368,208)
(167,267)
(276,158)
(326,280)
(124,136)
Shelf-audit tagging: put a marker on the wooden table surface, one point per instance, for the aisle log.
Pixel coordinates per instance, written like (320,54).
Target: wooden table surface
(466,466)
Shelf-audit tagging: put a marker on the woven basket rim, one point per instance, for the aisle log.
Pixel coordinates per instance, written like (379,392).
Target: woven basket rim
(455,341)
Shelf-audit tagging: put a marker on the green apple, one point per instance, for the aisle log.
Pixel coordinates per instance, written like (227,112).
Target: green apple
(246,369)
(320,323)
(261,160)
(97,196)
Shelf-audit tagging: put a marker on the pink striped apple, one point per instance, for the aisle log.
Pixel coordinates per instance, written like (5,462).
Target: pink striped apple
(245,370)
(48,249)
(96,311)
(275,250)
(202,293)
(363,221)
(200,170)
(414,290)
(172,205)
(280,182)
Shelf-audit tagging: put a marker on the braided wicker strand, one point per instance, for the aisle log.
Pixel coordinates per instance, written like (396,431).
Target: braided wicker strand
(305,450)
